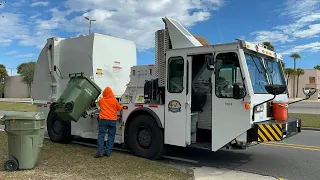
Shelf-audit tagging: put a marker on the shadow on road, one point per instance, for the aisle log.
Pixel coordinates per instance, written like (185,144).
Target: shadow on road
(229,159)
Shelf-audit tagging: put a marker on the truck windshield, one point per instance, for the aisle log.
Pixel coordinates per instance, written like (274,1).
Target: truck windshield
(257,73)
(261,74)
(274,72)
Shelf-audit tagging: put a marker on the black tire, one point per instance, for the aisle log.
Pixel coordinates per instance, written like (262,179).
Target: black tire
(59,130)
(11,165)
(145,138)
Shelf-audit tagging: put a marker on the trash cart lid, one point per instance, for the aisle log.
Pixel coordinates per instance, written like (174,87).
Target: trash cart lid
(17,115)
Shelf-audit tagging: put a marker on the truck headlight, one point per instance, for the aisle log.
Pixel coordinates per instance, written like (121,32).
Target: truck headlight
(259,108)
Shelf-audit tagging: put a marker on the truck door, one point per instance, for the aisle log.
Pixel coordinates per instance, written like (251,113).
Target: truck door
(177,104)
(230,118)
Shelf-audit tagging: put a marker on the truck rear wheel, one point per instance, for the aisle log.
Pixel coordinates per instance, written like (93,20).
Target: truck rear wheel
(145,138)
(58,129)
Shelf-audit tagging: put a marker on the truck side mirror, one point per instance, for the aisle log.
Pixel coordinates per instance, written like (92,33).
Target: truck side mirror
(309,91)
(275,89)
(238,92)
(210,62)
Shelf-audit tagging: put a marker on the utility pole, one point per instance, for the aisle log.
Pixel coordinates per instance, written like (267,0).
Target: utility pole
(90,20)
(11,71)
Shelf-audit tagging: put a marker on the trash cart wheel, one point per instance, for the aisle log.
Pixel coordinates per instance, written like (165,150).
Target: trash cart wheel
(11,165)
(58,129)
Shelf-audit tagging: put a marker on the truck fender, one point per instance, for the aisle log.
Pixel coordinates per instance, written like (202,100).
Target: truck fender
(146,111)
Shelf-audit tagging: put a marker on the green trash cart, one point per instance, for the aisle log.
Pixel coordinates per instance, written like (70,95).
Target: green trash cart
(76,98)
(25,132)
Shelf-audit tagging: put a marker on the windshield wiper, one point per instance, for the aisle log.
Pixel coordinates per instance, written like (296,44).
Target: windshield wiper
(254,61)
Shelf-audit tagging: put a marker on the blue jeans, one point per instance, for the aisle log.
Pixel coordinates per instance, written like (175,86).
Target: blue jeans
(105,125)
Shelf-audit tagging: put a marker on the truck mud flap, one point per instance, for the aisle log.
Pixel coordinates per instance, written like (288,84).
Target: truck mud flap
(273,130)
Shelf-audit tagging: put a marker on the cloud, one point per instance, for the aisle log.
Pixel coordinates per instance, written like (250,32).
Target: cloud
(5,42)
(300,8)
(11,25)
(40,3)
(311,47)
(312,31)
(11,52)
(35,16)
(271,36)
(25,55)
(17,4)
(135,20)
(305,16)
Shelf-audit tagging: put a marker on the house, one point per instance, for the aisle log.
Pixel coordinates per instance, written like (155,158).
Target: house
(310,79)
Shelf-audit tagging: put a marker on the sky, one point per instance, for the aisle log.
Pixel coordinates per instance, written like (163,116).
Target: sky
(292,26)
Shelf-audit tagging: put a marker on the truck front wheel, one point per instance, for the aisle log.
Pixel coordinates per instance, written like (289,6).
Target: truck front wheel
(58,129)
(145,138)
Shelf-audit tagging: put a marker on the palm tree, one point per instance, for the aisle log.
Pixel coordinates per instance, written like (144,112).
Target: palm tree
(299,72)
(317,67)
(288,72)
(268,45)
(295,56)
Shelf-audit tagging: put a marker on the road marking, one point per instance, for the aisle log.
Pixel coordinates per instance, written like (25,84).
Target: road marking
(296,145)
(288,146)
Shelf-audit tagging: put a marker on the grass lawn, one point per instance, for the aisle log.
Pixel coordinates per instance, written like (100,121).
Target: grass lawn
(308,120)
(12,106)
(60,161)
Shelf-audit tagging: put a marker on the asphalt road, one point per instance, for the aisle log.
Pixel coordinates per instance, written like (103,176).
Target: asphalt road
(305,107)
(295,158)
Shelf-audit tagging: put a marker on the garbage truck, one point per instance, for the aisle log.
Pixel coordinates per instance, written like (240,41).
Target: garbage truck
(195,95)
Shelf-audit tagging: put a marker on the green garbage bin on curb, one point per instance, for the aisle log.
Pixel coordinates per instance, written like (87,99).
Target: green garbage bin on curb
(76,98)
(25,132)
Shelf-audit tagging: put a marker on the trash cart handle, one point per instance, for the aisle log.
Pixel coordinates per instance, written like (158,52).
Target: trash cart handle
(75,74)
(2,121)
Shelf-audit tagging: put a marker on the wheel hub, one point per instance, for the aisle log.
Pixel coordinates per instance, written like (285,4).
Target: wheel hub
(57,127)
(144,138)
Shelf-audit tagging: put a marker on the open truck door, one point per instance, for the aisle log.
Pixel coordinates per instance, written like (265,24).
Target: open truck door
(230,118)
(177,101)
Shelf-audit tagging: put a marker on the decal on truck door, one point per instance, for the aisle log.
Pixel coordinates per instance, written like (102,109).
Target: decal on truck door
(174,106)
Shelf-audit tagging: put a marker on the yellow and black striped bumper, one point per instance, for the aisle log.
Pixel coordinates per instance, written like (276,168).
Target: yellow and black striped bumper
(277,130)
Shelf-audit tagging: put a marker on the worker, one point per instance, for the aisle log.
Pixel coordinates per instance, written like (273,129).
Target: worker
(109,106)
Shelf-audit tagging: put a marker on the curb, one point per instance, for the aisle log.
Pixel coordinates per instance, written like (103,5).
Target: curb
(310,129)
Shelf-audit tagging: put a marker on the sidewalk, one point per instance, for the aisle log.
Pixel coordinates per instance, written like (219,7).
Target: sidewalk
(22,100)
(210,173)
(291,100)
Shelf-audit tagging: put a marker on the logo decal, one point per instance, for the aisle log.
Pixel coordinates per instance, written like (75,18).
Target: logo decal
(174,106)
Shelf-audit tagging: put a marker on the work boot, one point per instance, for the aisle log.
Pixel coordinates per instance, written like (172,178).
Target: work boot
(106,154)
(98,156)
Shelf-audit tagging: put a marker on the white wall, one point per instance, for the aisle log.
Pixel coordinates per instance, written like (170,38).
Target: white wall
(14,88)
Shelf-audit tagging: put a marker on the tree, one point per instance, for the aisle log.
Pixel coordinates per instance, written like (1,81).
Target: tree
(268,45)
(299,72)
(317,67)
(26,71)
(3,74)
(294,56)
(288,72)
